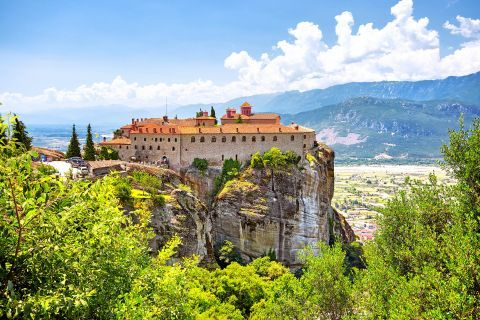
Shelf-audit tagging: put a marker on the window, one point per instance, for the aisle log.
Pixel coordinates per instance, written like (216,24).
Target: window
(144,139)
(274,138)
(214,139)
(120,147)
(192,139)
(143,147)
(263,138)
(158,147)
(304,145)
(161,139)
(304,136)
(244,139)
(254,139)
(224,139)
(135,139)
(156,139)
(234,139)
(168,139)
(202,139)
(175,139)
(292,138)
(223,157)
(127,147)
(135,147)
(150,148)
(173,148)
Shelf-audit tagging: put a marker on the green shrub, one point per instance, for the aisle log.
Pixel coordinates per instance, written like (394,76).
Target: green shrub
(230,170)
(200,164)
(274,158)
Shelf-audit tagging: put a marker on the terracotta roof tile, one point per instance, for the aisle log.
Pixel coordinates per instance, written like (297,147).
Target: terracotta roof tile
(116,141)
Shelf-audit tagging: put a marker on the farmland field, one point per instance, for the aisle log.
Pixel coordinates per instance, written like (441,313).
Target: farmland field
(360,191)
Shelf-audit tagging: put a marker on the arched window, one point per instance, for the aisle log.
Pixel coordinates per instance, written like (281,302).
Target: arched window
(135,147)
(175,139)
(263,138)
(173,148)
(143,147)
(202,139)
(223,157)
(274,138)
(304,145)
(127,147)
(224,139)
(192,139)
(254,139)
(304,136)
(144,139)
(234,139)
(214,139)
(150,148)
(134,138)
(158,147)
(292,137)
(156,139)
(244,139)
(168,139)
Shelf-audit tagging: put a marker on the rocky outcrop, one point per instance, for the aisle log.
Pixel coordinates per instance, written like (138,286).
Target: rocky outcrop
(202,183)
(280,210)
(186,216)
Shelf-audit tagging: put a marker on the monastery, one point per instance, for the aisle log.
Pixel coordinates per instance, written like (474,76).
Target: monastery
(177,142)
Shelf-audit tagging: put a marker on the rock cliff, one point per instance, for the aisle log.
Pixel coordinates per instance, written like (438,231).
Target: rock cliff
(261,211)
(281,210)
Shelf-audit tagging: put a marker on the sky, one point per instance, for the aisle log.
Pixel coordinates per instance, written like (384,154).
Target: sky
(74,54)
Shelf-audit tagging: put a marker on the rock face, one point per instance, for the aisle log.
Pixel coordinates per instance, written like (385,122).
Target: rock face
(280,210)
(186,216)
(261,211)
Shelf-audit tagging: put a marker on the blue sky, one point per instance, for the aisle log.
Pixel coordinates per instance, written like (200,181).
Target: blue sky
(68,44)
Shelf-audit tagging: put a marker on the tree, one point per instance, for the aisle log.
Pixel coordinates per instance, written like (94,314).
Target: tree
(74,146)
(3,131)
(212,114)
(20,135)
(239,119)
(107,153)
(89,152)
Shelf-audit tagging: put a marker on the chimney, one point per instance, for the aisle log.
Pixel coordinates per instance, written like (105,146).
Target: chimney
(154,130)
(205,113)
(104,139)
(231,112)
(246,109)
(258,130)
(221,131)
(161,130)
(165,118)
(199,130)
(140,130)
(280,129)
(133,120)
(237,130)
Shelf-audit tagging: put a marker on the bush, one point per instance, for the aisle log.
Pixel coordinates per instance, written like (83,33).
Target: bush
(230,170)
(274,158)
(107,153)
(200,164)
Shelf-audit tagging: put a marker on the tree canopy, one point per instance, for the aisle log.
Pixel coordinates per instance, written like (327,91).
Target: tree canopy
(20,134)
(74,146)
(89,151)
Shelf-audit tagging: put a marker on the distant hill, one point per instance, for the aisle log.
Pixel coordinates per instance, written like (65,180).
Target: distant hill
(368,127)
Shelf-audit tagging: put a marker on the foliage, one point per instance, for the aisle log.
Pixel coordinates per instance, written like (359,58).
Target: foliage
(212,114)
(227,253)
(74,146)
(230,170)
(275,159)
(89,151)
(239,119)
(107,153)
(200,164)
(117,133)
(462,155)
(3,131)
(66,249)
(20,134)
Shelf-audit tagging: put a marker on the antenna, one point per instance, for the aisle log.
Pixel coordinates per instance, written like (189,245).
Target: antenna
(166,106)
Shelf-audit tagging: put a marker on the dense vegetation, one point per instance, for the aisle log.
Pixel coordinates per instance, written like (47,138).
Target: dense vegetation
(67,250)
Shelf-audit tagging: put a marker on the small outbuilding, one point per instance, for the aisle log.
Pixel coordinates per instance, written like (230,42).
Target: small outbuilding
(48,155)
(104,167)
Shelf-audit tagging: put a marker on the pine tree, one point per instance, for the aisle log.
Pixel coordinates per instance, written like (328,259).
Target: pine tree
(212,114)
(89,152)
(74,146)
(20,134)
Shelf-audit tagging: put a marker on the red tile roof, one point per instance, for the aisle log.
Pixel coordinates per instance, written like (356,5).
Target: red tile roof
(116,141)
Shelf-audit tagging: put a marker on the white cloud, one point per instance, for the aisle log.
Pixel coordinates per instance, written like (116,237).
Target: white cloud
(468,28)
(403,49)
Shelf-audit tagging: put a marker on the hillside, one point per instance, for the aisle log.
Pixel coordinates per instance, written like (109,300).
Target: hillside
(370,127)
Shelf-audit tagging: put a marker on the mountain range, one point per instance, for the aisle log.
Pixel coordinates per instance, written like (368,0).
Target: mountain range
(384,120)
